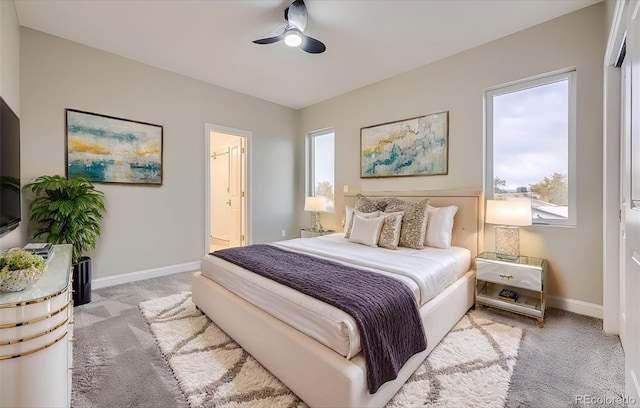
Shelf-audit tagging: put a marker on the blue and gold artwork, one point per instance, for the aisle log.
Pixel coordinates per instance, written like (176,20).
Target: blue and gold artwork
(112,150)
(410,147)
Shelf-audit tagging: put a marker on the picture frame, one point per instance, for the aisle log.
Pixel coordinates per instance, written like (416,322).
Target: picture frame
(108,149)
(416,146)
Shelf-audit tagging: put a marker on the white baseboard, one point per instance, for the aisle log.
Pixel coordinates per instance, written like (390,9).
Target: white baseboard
(570,305)
(575,306)
(146,274)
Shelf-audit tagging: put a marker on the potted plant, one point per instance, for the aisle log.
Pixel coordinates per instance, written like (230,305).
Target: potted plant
(19,269)
(68,211)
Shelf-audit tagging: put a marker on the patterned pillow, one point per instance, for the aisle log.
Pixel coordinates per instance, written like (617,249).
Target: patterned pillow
(390,233)
(367,205)
(349,228)
(414,223)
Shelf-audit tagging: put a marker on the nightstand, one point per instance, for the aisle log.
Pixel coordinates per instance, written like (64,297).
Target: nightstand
(309,233)
(525,275)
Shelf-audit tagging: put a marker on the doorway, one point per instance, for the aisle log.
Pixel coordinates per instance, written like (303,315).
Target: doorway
(226,192)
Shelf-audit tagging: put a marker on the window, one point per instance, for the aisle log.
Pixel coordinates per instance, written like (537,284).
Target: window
(531,147)
(321,165)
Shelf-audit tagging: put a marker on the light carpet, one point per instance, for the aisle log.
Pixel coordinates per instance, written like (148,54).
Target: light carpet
(471,367)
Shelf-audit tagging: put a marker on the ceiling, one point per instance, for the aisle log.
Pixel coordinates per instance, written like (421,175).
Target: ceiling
(211,40)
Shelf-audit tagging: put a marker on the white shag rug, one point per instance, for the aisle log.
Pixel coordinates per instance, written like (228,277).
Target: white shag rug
(471,367)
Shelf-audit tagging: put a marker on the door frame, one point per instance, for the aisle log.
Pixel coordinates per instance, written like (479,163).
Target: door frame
(611,173)
(616,283)
(247,135)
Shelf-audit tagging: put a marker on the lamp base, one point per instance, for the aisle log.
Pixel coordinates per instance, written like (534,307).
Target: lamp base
(507,242)
(315,221)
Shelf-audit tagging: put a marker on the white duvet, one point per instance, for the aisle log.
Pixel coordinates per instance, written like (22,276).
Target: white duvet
(426,271)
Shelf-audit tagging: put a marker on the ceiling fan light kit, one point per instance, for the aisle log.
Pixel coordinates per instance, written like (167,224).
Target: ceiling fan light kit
(296,17)
(293,39)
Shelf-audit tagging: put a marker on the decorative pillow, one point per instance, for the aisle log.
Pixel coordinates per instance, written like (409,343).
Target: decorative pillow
(366,230)
(366,204)
(348,215)
(414,223)
(390,232)
(361,214)
(440,226)
(387,201)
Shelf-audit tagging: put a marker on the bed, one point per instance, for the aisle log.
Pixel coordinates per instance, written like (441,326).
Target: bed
(331,372)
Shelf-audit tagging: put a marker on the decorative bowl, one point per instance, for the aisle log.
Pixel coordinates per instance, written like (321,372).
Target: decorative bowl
(19,269)
(15,281)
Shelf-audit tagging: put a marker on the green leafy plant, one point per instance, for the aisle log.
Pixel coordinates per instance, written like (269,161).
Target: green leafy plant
(67,211)
(16,259)
(19,269)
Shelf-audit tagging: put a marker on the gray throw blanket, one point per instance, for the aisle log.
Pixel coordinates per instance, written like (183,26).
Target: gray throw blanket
(383,307)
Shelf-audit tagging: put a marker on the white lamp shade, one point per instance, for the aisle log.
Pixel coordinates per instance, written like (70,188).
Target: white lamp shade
(509,212)
(315,203)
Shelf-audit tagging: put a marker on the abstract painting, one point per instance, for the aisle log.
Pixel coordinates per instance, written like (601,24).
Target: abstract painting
(409,147)
(106,149)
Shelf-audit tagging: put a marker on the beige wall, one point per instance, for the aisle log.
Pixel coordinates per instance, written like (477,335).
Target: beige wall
(456,84)
(153,227)
(10,92)
(10,56)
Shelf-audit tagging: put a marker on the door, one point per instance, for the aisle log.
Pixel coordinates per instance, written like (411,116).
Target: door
(631,271)
(625,187)
(220,209)
(236,155)
(226,186)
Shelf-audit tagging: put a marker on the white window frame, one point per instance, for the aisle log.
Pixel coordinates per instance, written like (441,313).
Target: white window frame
(311,165)
(570,75)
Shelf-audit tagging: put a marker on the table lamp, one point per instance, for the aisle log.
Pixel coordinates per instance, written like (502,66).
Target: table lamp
(315,205)
(508,215)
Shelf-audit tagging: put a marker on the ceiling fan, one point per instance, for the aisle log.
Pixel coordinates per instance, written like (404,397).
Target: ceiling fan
(296,16)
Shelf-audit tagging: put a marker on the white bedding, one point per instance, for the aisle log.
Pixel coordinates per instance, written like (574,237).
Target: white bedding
(427,272)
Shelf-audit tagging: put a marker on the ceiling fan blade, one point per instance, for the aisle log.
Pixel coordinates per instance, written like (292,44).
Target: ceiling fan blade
(271,40)
(296,15)
(311,45)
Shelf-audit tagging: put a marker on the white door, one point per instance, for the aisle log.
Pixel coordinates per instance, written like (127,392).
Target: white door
(220,210)
(226,187)
(631,288)
(625,187)
(236,189)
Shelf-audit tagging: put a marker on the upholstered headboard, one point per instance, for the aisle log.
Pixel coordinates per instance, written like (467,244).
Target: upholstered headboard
(468,227)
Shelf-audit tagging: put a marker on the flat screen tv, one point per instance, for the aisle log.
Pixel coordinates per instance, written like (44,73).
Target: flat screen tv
(9,169)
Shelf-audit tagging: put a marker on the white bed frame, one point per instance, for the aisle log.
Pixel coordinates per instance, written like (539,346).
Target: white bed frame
(318,375)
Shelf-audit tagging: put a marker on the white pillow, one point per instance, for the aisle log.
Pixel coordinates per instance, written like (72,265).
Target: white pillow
(366,230)
(348,214)
(374,214)
(439,226)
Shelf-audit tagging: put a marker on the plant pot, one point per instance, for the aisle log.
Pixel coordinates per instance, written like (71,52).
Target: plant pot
(82,281)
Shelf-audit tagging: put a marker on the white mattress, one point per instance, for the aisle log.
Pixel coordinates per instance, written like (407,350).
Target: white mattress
(427,272)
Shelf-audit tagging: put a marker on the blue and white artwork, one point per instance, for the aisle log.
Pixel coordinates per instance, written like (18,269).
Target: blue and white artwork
(113,150)
(410,147)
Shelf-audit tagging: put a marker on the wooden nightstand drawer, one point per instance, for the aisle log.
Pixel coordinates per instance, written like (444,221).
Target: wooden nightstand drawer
(516,276)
